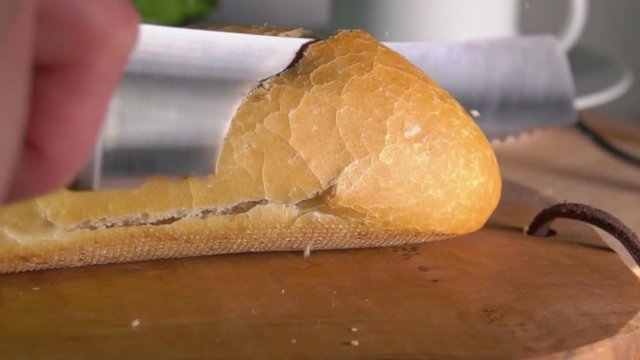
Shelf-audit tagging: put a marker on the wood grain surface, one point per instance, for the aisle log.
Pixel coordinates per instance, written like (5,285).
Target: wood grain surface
(565,164)
(493,294)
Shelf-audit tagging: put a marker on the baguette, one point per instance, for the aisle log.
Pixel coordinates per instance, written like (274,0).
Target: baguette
(352,146)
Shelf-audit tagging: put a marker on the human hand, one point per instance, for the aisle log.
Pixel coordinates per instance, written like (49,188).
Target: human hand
(60,61)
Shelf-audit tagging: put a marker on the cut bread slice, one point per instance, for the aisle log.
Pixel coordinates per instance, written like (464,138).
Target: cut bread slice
(352,146)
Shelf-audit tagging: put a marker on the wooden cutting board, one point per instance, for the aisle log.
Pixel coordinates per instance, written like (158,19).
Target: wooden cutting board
(493,294)
(566,164)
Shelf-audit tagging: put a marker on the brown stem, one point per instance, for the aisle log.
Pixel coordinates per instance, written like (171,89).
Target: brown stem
(540,226)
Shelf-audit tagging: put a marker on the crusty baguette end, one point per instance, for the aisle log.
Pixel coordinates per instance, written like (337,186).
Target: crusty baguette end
(353,146)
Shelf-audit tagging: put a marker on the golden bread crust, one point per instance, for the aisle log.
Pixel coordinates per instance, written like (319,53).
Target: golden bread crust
(353,146)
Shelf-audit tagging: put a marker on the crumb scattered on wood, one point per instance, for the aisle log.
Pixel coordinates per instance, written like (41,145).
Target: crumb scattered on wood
(282,291)
(35,288)
(475,113)
(293,341)
(307,251)
(354,329)
(135,323)
(354,343)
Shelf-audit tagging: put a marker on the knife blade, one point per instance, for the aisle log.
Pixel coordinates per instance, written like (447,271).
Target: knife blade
(178,75)
(513,85)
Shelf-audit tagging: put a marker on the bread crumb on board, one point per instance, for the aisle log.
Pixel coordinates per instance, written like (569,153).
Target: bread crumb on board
(475,113)
(307,251)
(135,323)
(354,329)
(293,341)
(354,343)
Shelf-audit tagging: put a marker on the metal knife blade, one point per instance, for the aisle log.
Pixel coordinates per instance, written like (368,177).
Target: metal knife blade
(513,85)
(175,101)
(181,87)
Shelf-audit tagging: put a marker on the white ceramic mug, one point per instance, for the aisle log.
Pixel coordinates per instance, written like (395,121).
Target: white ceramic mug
(447,20)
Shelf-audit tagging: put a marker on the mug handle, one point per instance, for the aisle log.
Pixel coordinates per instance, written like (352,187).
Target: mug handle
(574,24)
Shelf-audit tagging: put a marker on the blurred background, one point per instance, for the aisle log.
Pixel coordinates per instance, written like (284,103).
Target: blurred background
(603,60)
(610,31)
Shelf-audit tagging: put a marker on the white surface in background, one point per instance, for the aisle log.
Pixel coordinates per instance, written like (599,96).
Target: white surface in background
(310,14)
(612,29)
(429,20)
(609,93)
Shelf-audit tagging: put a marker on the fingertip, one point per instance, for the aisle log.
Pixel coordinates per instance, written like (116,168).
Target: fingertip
(100,28)
(117,29)
(37,173)
(81,50)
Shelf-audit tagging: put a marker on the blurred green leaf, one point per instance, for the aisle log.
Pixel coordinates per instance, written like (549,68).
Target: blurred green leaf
(172,12)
